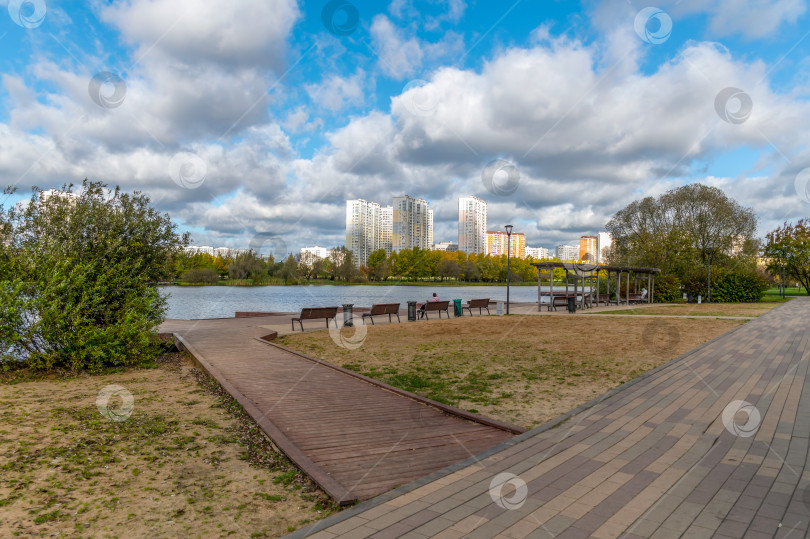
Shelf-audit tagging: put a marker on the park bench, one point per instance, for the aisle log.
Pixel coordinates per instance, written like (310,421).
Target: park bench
(435,306)
(637,298)
(560,301)
(381,309)
(476,304)
(315,313)
(605,298)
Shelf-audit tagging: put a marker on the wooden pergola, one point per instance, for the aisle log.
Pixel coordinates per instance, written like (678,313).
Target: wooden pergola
(586,274)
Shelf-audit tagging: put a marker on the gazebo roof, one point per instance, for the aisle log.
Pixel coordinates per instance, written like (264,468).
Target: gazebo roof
(586,267)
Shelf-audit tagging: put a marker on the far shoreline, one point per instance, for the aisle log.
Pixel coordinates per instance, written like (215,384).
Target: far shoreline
(374,283)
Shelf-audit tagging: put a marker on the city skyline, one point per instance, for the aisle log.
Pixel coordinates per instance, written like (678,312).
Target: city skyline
(265,121)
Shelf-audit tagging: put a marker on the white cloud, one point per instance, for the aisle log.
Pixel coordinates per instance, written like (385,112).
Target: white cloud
(336,92)
(398,57)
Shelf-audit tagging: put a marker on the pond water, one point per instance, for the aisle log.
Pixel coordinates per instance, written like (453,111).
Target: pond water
(188,302)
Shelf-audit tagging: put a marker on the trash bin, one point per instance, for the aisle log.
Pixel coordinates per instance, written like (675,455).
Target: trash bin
(499,308)
(347,315)
(411,311)
(457,307)
(572,304)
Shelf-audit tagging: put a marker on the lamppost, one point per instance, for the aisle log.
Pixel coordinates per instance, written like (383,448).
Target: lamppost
(508,246)
(709,276)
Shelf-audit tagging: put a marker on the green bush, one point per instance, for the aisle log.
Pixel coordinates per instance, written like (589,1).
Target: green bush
(738,287)
(667,288)
(200,276)
(78,276)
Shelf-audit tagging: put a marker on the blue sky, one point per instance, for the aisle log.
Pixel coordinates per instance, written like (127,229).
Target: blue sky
(248,120)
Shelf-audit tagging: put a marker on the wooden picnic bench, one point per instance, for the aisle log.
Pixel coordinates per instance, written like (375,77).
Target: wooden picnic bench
(315,313)
(380,309)
(637,298)
(476,303)
(605,298)
(435,306)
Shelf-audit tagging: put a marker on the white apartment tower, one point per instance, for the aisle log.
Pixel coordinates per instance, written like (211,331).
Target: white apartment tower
(603,243)
(412,224)
(386,229)
(568,252)
(472,225)
(363,230)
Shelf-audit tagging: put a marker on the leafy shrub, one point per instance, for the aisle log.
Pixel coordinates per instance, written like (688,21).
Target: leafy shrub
(739,287)
(78,274)
(667,288)
(200,276)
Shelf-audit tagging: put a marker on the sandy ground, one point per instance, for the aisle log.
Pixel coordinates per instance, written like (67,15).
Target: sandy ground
(186,462)
(521,369)
(704,309)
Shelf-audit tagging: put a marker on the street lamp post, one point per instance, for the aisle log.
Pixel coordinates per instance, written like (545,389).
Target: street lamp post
(508,246)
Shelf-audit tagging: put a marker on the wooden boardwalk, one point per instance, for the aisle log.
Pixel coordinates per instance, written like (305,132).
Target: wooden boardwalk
(354,437)
(713,444)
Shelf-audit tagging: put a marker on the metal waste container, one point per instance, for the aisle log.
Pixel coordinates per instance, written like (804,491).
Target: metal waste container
(347,315)
(411,311)
(572,304)
(457,307)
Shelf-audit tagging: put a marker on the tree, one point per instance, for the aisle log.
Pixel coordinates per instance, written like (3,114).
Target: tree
(247,266)
(289,270)
(449,269)
(78,278)
(678,232)
(788,248)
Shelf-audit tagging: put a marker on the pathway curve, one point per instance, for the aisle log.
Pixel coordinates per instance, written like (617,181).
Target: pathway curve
(355,437)
(712,444)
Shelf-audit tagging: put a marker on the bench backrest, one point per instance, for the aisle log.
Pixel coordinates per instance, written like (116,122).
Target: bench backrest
(384,308)
(479,303)
(318,312)
(437,305)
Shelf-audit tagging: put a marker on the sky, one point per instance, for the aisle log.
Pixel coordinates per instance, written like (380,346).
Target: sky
(252,122)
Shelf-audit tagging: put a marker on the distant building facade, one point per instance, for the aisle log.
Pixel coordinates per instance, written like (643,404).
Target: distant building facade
(587,249)
(362,228)
(497,242)
(472,225)
(538,253)
(445,246)
(567,252)
(412,224)
(308,255)
(604,242)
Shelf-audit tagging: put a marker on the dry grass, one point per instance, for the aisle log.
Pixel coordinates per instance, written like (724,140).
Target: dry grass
(187,462)
(521,369)
(704,309)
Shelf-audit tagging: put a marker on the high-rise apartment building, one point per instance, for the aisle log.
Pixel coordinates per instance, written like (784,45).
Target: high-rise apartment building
(538,253)
(587,249)
(497,242)
(386,229)
(567,252)
(308,255)
(362,228)
(472,225)
(604,241)
(412,224)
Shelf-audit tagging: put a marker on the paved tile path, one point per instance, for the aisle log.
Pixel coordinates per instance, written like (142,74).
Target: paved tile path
(356,438)
(665,456)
